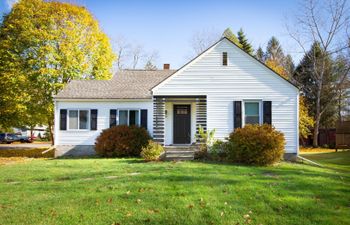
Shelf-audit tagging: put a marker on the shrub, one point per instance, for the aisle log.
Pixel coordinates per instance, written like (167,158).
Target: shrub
(152,151)
(206,140)
(119,141)
(255,144)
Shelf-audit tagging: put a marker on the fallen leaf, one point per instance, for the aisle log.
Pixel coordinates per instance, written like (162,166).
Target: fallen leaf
(110,200)
(190,206)
(138,201)
(246,216)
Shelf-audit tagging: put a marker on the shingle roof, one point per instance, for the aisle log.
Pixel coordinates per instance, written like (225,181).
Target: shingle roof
(125,84)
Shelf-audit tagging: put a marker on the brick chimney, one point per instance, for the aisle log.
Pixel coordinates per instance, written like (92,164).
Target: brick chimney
(166,66)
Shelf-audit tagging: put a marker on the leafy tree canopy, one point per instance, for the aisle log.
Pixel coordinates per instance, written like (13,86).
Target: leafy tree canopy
(44,45)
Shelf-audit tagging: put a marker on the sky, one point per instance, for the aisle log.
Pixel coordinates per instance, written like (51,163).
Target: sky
(168,26)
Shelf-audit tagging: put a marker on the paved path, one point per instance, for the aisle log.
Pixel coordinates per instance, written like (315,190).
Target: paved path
(24,146)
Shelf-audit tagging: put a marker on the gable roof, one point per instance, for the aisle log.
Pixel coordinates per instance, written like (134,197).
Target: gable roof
(225,38)
(125,84)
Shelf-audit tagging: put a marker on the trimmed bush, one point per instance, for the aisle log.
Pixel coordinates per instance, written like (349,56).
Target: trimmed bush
(120,141)
(255,144)
(152,151)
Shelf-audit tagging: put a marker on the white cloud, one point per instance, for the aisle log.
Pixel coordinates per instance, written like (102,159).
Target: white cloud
(10,3)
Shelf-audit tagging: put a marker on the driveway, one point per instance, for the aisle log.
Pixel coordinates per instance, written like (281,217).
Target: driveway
(24,146)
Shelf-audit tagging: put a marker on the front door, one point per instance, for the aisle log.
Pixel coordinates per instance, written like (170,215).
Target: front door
(182,124)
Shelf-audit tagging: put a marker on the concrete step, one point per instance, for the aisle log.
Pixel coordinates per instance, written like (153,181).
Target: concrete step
(178,158)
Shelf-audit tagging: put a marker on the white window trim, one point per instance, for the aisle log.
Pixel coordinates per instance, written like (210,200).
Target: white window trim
(260,110)
(128,109)
(88,123)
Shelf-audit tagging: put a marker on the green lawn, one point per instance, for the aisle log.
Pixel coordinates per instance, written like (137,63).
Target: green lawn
(335,160)
(129,191)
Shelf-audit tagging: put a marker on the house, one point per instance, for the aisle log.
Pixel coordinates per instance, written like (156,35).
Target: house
(223,88)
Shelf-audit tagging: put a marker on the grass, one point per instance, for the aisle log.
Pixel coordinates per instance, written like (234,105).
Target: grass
(129,191)
(335,160)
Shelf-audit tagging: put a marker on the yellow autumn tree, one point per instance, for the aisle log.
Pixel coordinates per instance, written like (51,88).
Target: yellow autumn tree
(43,46)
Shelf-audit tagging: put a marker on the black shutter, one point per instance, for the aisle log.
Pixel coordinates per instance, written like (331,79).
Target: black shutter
(93,119)
(63,119)
(267,110)
(144,118)
(112,117)
(237,109)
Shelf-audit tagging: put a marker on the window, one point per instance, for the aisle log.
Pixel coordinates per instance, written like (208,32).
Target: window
(251,113)
(129,117)
(224,58)
(78,119)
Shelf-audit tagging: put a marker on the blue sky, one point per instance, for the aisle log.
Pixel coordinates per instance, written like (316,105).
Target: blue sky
(168,26)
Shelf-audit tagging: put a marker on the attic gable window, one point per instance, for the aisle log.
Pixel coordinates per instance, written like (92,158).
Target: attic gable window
(224,58)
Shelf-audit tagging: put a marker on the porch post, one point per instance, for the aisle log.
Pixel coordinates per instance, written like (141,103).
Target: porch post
(201,115)
(159,120)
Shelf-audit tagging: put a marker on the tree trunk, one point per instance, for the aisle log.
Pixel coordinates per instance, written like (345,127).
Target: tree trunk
(315,134)
(31,132)
(51,132)
(317,117)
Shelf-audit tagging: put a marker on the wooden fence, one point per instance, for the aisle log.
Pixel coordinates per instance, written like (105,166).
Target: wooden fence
(342,138)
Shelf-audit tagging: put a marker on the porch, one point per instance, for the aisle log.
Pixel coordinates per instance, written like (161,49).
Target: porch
(176,119)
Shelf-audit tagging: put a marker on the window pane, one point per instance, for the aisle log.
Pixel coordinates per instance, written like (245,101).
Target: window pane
(123,117)
(251,113)
(224,58)
(83,119)
(252,109)
(134,117)
(73,119)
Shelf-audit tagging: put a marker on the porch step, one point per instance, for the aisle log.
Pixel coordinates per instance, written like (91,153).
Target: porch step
(178,153)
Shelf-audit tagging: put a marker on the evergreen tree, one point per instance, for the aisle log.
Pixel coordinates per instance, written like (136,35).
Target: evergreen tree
(260,55)
(289,66)
(274,51)
(314,60)
(246,46)
(231,36)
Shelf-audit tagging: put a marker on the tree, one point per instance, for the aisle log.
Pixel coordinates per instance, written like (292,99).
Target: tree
(274,51)
(289,66)
(305,120)
(260,55)
(123,51)
(201,40)
(246,46)
(43,46)
(341,63)
(231,36)
(326,23)
(149,66)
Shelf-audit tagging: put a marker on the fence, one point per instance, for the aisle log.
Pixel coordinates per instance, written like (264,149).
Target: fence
(342,138)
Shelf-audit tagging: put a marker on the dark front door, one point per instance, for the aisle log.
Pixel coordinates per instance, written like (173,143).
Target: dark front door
(182,124)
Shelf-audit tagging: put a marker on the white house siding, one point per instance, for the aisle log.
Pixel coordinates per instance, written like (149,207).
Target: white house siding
(66,137)
(243,79)
(169,122)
